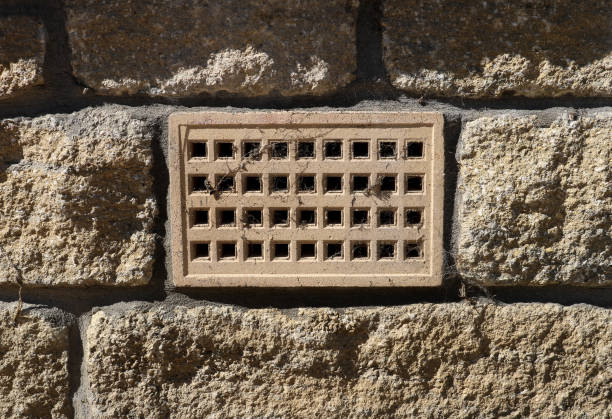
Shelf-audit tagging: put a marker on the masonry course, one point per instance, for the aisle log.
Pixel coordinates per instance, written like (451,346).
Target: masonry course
(494,49)
(419,360)
(188,47)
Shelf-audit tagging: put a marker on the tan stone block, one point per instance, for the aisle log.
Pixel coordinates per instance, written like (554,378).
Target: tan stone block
(76,199)
(22,52)
(495,48)
(422,360)
(33,363)
(536,200)
(188,47)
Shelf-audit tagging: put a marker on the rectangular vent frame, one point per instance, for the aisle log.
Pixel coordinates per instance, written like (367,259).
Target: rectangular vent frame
(305,248)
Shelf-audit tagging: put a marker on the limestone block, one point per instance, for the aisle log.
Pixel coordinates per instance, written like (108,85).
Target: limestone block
(422,360)
(22,52)
(188,47)
(76,199)
(33,363)
(495,48)
(536,200)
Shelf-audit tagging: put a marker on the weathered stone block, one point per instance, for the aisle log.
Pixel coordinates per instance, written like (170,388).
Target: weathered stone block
(76,199)
(422,360)
(33,363)
(536,200)
(187,47)
(492,48)
(22,52)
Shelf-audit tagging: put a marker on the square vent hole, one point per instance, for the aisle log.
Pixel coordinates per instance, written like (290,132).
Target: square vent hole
(279,149)
(307,250)
(360,217)
(360,183)
(333,183)
(387,183)
(252,183)
(254,250)
(280,250)
(387,149)
(414,149)
(225,150)
(280,217)
(333,217)
(386,218)
(226,217)
(386,250)
(201,251)
(279,183)
(199,150)
(307,217)
(414,183)
(227,251)
(333,149)
(360,250)
(225,183)
(306,150)
(306,183)
(200,184)
(413,250)
(413,217)
(253,218)
(333,251)
(360,149)
(200,217)
(251,150)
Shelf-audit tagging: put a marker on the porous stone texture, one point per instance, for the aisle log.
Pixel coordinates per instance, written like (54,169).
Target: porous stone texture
(536,200)
(187,47)
(33,363)
(494,48)
(422,360)
(76,199)
(22,52)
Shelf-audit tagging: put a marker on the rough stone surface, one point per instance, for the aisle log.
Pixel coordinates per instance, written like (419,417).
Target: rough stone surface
(423,360)
(492,48)
(187,47)
(22,52)
(76,199)
(33,363)
(536,200)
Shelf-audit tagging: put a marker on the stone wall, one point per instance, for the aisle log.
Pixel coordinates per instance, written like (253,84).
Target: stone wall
(522,324)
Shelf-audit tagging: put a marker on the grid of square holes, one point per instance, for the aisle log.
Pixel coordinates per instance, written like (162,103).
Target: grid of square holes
(336,202)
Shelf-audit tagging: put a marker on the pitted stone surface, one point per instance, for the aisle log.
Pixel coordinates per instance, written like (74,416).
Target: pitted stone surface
(422,360)
(494,48)
(33,363)
(536,201)
(22,52)
(76,199)
(188,47)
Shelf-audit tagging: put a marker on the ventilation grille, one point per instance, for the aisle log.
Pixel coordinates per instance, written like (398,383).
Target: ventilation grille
(306,199)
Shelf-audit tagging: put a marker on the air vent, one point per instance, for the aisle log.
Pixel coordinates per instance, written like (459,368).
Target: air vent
(286,199)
